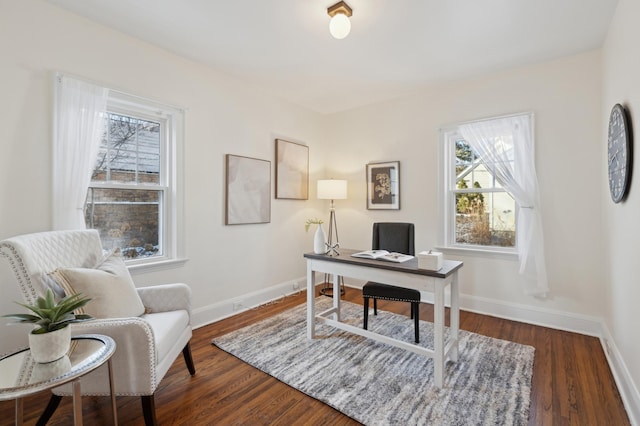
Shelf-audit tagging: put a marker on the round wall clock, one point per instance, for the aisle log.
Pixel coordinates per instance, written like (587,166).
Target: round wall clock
(619,153)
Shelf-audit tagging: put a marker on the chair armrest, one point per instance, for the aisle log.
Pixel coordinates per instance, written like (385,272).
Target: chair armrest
(166,297)
(135,359)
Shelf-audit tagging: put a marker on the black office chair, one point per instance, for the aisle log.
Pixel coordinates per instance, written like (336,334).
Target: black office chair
(393,237)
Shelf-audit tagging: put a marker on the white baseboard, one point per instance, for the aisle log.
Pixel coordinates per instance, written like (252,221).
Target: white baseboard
(628,390)
(229,307)
(583,324)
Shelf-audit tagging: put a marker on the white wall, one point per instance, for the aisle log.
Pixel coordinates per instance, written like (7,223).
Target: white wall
(582,227)
(565,96)
(223,116)
(590,244)
(621,221)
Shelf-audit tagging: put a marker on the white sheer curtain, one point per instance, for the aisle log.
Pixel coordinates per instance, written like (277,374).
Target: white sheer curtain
(78,127)
(505,145)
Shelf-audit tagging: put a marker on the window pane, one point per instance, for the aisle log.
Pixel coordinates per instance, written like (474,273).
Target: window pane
(129,151)
(465,156)
(470,171)
(482,178)
(486,219)
(127,219)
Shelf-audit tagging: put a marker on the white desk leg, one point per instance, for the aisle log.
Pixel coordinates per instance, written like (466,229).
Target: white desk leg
(336,296)
(311,302)
(454,316)
(438,337)
(77,404)
(19,411)
(114,409)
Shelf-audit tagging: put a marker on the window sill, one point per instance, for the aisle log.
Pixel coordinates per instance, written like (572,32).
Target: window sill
(493,254)
(159,265)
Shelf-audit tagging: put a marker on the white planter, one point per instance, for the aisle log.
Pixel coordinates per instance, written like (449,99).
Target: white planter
(319,240)
(51,346)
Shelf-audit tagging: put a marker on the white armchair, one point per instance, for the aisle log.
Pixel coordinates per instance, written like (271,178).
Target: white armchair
(146,345)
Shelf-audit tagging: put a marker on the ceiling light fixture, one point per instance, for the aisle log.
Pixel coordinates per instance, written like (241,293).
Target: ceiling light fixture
(340,25)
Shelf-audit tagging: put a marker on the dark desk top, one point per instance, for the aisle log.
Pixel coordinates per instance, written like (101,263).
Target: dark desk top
(410,266)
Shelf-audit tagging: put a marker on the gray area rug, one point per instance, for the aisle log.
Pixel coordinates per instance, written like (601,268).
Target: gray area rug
(377,384)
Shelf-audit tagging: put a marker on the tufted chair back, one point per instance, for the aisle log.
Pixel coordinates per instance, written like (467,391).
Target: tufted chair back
(33,256)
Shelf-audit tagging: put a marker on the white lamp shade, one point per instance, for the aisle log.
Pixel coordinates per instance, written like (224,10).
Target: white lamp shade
(332,189)
(339,26)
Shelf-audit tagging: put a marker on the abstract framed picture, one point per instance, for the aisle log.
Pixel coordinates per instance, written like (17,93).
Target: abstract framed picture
(292,170)
(248,190)
(383,186)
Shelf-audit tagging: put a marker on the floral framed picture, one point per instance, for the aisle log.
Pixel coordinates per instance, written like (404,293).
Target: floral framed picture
(292,170)
(248,191)
(383,186)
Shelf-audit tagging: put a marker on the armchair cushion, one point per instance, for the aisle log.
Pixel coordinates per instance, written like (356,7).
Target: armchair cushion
(167,328)
(109,285)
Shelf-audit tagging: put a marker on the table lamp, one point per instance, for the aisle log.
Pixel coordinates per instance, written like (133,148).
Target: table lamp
(332,189)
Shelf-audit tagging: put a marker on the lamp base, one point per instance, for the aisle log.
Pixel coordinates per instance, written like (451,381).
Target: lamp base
(327,288)
(331,245)
(332,249)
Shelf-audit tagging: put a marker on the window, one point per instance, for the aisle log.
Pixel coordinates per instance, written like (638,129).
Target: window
(133,196)
(490,198)
(479,212)
(483,214)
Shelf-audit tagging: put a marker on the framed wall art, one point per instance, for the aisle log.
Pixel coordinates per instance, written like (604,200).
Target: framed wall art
(292,170)
(248,191)
(383,186)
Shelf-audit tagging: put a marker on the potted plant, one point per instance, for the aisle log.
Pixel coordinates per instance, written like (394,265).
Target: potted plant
(319,238)
(51,338)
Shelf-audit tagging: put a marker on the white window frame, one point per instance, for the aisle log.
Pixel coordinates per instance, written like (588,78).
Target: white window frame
(171,231)
(446,200)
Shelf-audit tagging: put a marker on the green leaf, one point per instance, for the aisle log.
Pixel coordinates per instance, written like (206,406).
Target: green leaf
(84,317)
(51,316)
(51,300)
(21,316)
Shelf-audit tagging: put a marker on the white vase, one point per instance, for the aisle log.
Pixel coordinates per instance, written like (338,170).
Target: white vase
(50,346)
(319,240)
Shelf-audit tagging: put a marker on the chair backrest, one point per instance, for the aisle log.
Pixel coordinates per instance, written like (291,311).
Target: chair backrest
(394,237)
(33,256)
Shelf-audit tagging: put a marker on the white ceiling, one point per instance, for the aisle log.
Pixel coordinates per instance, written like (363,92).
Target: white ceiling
(395,46)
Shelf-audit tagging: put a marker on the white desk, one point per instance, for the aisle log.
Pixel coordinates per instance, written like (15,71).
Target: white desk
(404,274)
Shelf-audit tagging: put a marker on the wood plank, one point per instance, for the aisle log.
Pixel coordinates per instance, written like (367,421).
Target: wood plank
(572,382)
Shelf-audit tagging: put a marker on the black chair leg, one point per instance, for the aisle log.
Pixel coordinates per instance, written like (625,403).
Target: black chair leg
(54,401)
(415,308)
(365,323)
(375,306)
(186,353)
(149,410)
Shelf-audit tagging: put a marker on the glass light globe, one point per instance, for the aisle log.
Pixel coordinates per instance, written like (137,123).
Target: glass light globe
(339,26)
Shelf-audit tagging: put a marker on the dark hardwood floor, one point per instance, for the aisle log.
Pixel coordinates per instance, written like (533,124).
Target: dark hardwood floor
(572,383)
